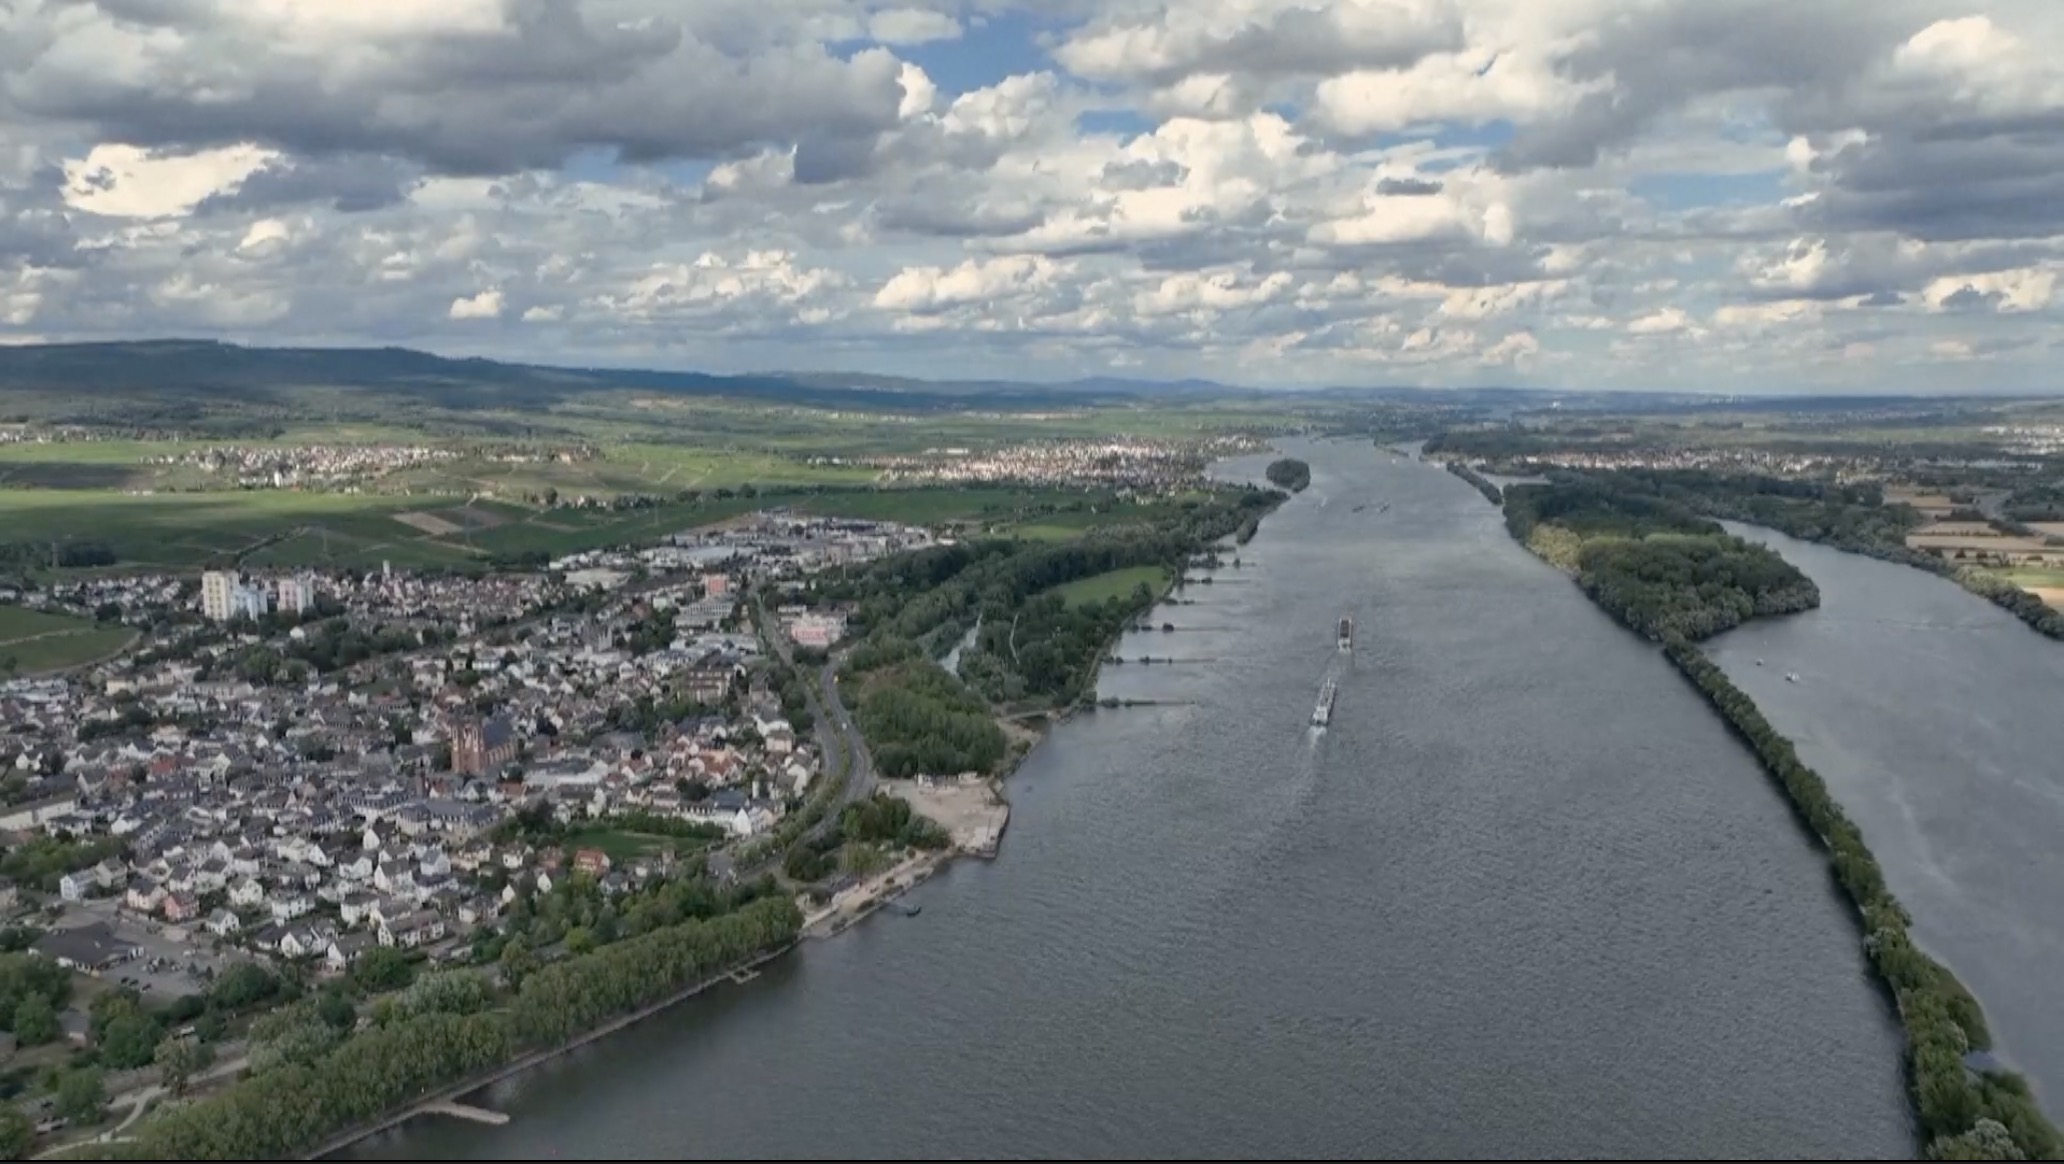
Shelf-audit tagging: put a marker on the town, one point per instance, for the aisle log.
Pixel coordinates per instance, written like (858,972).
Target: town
(295,770)
(1143,465)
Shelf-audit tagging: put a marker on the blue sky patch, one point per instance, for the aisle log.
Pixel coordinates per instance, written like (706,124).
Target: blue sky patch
(1686,191)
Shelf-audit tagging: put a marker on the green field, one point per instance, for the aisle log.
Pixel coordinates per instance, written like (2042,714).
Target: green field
(284,529)
(1116,584)
(34,642)
(624,845)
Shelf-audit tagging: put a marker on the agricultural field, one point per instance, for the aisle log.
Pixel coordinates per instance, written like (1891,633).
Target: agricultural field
(1116,584)
(32,642)
(284,529)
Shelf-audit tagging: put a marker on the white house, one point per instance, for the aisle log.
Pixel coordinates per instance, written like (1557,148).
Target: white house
(290,907)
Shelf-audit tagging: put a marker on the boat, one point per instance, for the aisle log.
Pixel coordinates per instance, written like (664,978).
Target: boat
(1347,633)
(1791,677)
(1322,712)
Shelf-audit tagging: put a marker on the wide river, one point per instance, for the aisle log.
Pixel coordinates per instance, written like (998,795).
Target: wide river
(1935,718)
(1525,897)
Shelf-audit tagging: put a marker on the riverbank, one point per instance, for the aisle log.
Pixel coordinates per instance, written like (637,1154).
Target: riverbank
(1968,1107)
(459,1091)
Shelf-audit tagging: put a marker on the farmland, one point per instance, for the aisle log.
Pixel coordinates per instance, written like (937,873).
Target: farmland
(284,529)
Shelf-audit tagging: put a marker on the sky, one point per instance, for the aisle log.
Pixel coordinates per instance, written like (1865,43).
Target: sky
(1724,195)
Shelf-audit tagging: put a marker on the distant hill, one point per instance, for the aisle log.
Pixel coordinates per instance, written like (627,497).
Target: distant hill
(177,382)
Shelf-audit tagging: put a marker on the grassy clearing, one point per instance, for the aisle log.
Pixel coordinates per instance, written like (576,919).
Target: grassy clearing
(624,845)
(34,642)
(2034,578)
(19,622)
(1116,584)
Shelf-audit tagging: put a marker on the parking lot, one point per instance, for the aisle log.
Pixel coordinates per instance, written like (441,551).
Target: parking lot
(173,961)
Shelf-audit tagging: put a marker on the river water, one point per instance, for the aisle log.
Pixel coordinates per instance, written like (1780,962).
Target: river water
(1524,898)
(1934,717)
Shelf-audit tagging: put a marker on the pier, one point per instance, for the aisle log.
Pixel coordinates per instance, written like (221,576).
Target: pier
(466,1111)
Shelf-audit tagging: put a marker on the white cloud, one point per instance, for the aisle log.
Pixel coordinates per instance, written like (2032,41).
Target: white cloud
(912,26)
(1679,192)
(125,181)
(926,290)
(1663,322)
(485,305)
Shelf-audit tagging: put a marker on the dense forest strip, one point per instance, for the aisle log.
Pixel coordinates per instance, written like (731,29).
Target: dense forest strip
(1491,492)
(1289,473)
(448,1031)
(1676,577)
(1966,1112)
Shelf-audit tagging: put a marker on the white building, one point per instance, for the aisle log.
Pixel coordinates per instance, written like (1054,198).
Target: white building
(248,602)
(217,589)
(296,595)
(224,597)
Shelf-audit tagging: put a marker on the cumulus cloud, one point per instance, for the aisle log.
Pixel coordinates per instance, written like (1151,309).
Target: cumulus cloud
(485,305)
(1680,191)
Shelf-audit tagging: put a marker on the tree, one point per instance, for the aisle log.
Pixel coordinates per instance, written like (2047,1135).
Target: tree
(336,1010)
(517,962)
(179,1060)
(242,985)
(381,969)
(17,1134)
(82,1095)
(35,1021)
(129,1040)
(579,940)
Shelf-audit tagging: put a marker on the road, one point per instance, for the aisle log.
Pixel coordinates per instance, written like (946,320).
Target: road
(838,737)
(138,1102)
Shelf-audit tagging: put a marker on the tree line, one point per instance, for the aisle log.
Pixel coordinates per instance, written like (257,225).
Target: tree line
(1966,1113)
(451,1033)
(1483,485)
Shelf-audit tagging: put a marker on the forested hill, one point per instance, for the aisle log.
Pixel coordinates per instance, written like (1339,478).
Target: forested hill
(58,382)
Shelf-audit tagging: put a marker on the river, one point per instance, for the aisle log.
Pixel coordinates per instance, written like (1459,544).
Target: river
(1525,898)
(1933,716)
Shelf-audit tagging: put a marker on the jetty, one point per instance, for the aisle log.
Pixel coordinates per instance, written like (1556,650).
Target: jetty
(465,1111)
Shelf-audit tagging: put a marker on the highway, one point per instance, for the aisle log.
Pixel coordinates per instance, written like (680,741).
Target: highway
(838,737)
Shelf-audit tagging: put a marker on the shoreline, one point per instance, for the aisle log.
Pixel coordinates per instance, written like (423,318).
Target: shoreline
(459,1091)
(1956,1106)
